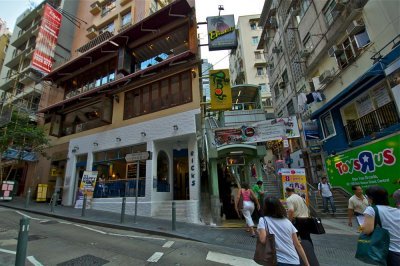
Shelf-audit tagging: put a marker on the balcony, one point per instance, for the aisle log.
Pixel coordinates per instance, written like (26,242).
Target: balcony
(373,122)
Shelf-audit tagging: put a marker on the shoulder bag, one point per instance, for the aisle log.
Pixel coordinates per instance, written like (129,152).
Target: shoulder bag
(374,248)
(265,254)
(314,224)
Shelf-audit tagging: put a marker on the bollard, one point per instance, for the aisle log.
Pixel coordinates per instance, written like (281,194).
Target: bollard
(173,216)
(53,201)
(28,197)
(22,244)
(123,210)
(84,205)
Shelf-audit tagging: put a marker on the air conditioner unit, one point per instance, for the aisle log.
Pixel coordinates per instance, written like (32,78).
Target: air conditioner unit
(304,53)
(334,51)
(276,50)
(355,27)
(325,77)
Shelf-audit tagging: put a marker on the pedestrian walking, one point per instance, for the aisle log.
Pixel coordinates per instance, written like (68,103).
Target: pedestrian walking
(390,219)
(298,213)
(286,242)
(357,205)
(250,202)
(259,192)
(325,191)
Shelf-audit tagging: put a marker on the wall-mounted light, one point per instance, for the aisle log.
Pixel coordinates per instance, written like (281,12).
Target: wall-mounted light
(143,134)
(95,144)
(116,98)
(118,139)
(175,127)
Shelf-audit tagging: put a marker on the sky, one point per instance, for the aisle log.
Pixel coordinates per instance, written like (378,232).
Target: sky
(11,9)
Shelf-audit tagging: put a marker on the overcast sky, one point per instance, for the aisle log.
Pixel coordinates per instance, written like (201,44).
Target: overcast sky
(11,9)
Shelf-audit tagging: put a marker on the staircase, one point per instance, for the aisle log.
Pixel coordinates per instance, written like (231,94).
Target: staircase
(271,185)
(341,200)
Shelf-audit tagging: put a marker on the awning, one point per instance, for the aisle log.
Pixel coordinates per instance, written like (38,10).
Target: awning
(12,154)
(372,75)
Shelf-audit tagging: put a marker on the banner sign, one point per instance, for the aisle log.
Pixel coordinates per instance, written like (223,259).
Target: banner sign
(221,33)
(310,130)
(87,186)
(220,90)
(371,164)
(294,178)
(267,130)
(46,40)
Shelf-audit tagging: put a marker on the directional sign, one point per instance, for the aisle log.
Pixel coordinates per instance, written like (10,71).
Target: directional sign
(138,156)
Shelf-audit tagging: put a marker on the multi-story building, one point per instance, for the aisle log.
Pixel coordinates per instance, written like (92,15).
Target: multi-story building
(133,87)
(4,42)
(3,27)
(342,73)
(247,62)
(205,81)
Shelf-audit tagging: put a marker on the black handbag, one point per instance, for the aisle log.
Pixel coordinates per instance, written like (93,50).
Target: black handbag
(315,226)
(265,254)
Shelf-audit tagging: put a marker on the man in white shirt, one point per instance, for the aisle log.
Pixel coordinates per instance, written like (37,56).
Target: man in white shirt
(396,197)
(324,189)
(298,213)
(357,205)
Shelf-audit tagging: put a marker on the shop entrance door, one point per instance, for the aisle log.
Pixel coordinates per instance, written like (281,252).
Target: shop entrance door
(181,175)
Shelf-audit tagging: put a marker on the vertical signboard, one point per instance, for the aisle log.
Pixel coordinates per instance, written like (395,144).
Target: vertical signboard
(221,33)
(294,178)
(220,90)
(7,188)
(371,164)
(86,187)
(46,40)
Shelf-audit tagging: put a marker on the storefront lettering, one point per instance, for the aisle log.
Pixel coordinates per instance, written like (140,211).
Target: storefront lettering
(367,162)
(215,33)
(219,79)
(192,168)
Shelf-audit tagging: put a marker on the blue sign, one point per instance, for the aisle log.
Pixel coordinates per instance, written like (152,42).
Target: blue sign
(310,130)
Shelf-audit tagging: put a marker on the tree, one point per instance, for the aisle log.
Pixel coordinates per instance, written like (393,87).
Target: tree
(22,136)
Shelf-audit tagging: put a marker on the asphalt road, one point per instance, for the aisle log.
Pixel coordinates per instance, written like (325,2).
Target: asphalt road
(57,242)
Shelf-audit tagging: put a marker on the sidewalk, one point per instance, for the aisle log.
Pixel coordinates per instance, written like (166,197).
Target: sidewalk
(334,248)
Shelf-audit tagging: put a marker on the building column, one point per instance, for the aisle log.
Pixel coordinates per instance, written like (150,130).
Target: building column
(214,192)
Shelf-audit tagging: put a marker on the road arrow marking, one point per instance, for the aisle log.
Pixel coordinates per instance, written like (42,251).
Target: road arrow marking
(155,257)
(229,260)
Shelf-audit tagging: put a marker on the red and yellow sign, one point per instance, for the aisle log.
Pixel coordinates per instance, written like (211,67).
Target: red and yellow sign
(220,90)
(294,178)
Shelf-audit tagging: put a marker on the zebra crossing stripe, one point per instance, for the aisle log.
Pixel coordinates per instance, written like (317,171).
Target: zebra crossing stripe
(155,257)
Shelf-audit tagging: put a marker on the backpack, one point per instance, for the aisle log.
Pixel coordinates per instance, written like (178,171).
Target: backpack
(329,185)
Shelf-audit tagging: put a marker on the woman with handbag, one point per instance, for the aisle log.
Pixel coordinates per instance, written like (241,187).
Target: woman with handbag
(275,223)
(389,220)
(246,203)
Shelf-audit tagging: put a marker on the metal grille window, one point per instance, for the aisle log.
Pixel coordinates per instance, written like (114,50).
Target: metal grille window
(330,13)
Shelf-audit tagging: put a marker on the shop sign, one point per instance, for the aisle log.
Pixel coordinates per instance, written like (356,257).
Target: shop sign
(296,179)
(86,187)
(7,188)
(371,164)
(192,168)
(46,41)
(235,160)
(220,90)
(310,130)
(221,33)
(41,195)
(138,156)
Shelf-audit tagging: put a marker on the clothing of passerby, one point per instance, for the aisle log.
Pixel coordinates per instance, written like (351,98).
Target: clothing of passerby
(286,241)
(259,192)
(396,197)
(357,205)
(390,219)
(324,189)
(248,206)
(298,213)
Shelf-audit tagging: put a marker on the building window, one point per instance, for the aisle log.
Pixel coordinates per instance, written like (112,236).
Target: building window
(257,55)
(110,27)
(329,12)
(107,7)
(362,39)
(169,92)
(163,172)
(253,25)
(307,43)
(290,108)
(328,128)
(268,102)
(255,40)
(260,71)
(126,19)
(304,7)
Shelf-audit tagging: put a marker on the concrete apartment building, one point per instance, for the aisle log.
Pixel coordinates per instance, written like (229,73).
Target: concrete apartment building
(131,87)
(247,62)
(335,63)
(4,42)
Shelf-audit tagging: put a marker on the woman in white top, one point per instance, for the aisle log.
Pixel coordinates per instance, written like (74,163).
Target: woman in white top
(286,240)
(390,219)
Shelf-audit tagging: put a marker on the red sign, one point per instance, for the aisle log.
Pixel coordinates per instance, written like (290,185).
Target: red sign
(47,40)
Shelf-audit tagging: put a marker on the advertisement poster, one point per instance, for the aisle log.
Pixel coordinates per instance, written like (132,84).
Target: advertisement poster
(295,178)
(6,192)
(221,33)
(268,130)
(372,164)
(220,90)
(46,40)
(41,195)
(87,186)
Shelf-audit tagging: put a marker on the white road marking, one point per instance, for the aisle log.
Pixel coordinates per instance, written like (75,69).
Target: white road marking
(34,261)
(229,260)
(8,251)
(91,229)
(144,237)
(32,218)
(62,222)
(168,244)
(155,257)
